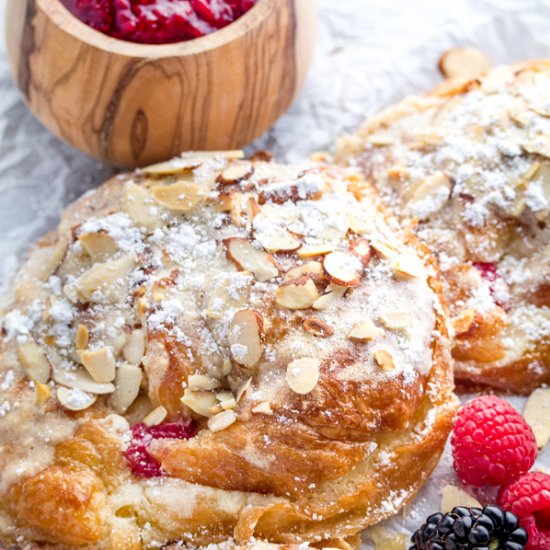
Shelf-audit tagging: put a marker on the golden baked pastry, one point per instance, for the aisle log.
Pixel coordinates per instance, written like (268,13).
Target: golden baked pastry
(217,349)
(470,162)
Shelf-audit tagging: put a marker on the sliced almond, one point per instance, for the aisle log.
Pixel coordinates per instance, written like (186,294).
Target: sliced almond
(138,203)
(537,415)
(384,359)
(362,249)
(407,265)
(221,421)
(42,393)
(75,399)
(464,321)
(82,337)
(317,327)
(235,173)
(452,496)
(105,282)
(326,300)
(245,337)
(134,350)
(298,271)
(429,195)
(156,416)
(200,402)
(302,375)
(99,246)
(99,363)
(298,293)
(365,331)
(33,360)
(311,251)
(248,258)
(127,384)
(343,269)
(263,408)
(384,249)
(228,291)
(181,196)
(278,240)
(464,62)
(202,382)
(396,319)
(80,379)
(172,167)
(243,389)
(227,400)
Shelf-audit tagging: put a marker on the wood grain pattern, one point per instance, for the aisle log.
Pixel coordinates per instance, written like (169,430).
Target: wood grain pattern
(133,104)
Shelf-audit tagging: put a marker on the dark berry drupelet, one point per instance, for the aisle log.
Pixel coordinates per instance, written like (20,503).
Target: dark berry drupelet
(470,528)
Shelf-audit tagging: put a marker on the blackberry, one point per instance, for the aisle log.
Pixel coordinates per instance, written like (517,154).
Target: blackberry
(471,529)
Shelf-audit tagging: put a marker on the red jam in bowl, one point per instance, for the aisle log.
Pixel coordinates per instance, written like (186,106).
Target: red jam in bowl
(157,21)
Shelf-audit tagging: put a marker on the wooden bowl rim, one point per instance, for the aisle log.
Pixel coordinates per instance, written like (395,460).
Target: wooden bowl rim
(67,22)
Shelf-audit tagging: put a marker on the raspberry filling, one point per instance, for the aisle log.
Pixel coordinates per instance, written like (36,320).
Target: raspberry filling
(488,271)
(139,460)
(157,21)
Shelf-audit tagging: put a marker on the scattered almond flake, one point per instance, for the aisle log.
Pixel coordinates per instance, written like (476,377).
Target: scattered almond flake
(221,421)
(452,496)
(537,415)
(120,227)
(263,408)
(75,399)
(156,416)
(302,375)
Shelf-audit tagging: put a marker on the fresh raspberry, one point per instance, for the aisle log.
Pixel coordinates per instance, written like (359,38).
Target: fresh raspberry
(492,443)
(139,460)
(529,499)
(216,12)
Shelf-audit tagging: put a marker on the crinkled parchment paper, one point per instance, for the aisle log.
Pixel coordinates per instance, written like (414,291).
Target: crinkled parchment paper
(370,53)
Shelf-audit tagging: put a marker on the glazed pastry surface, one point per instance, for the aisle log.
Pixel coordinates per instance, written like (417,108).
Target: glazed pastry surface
(216,349)
(470,164)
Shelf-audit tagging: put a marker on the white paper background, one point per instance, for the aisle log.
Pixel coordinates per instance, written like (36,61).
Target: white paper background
(370,53)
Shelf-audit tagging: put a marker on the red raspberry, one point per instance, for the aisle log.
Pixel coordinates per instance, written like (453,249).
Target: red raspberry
(139,460)
(492,443)
(529,499)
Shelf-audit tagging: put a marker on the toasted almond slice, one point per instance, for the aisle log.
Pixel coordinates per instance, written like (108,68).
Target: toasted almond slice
(302,375)
(243,389)
(99,246)
(429,195)
(278,240)
(181,196)
(99,363)
(397,319)
(245,337)
(75,399)
(156,416)
(537,415)
(334,293)
(464,321)
(236,173)
(134,350)
(538,146)
(42,391)
(263,408)
(365,331)
(357,225)
(202,382)
(343,269)
(384,359)
(311,251)
(362,249)
(452,496)
(127,384)
(464,62)
(298,293)
(33,360)
(105,282)
(407,265)
(82,337)
(298,271)
(227,400)
(227,291)
(80,379)
(201,402)
(172,167)
(248,258)
(384,249)
(317,327)
(138,203)
(221,421)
